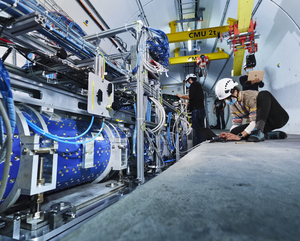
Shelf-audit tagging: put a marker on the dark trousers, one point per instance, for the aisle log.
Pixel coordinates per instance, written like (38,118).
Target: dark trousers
(269,111)
(198,117)
(220,115)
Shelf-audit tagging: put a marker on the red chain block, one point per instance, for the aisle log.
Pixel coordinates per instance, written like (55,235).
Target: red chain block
(202,62)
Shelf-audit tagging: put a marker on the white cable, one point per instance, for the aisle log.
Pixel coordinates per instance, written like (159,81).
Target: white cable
(189,128)
(174,125)
(162,116)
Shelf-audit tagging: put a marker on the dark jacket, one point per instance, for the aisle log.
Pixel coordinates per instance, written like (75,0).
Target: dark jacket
(196,96)
(248,86)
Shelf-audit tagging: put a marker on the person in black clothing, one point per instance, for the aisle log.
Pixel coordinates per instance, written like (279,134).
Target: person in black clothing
(219,107)
(249,85)
(196,101)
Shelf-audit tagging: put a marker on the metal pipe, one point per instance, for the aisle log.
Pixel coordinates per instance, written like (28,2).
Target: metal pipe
(242,34)
(221,23)
(97,65)
(138,2)
(111,32)
(177,139)
(140,133)
(14,57)
(140,119)
(158,140)
(41,180)
(227,60)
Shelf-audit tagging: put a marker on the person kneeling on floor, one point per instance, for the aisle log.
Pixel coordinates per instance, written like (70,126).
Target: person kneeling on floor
(264,111)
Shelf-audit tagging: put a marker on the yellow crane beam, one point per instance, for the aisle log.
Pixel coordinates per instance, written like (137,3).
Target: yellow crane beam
(204,33)
(192,58)
(244,17)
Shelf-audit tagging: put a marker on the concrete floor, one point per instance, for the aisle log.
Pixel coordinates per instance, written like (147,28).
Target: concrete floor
(219,191)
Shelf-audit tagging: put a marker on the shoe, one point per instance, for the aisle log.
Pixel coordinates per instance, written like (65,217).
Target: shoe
(276,135)
(256,136)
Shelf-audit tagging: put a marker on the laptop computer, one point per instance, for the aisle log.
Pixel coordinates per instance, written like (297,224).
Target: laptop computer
(207,133)
(256,74)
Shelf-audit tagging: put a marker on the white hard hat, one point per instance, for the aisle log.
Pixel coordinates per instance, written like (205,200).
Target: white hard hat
(190,76)
(224,87)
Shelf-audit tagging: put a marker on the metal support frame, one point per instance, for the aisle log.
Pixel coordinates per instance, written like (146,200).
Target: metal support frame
(27,23)
(177,139)
(158,139)
(140,118)
(31,42)
(112,32)
(143,15)
(49,98)
(139,122)
(142,86)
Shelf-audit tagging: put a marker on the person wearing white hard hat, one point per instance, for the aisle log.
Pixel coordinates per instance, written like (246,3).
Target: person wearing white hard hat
(265,113)
(196,105)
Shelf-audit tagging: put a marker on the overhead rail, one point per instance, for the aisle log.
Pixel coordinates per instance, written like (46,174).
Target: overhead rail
(112,32)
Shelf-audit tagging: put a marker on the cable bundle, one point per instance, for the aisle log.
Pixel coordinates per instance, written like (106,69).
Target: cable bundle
(162,116)
(8,118)
(7,96)
(159,47)
(172,136)
(159,50)
(63,19)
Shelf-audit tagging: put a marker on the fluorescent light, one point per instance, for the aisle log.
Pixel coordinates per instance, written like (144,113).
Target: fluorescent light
(190,45)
